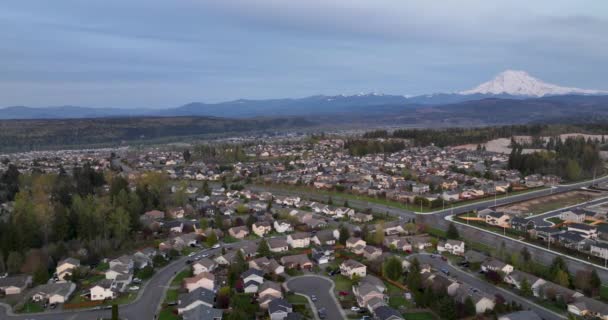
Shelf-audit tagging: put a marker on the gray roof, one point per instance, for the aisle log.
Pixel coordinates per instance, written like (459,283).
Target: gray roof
(387,313)
(199,294)
(520,315)
(279,305)
(18,281)
(203,312)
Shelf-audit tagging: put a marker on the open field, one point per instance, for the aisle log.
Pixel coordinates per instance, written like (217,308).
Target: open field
(549,203)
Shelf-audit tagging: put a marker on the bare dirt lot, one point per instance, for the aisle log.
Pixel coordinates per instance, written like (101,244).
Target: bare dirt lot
(548,203)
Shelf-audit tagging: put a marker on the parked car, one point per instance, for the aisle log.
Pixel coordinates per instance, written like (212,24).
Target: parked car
(343,293)
(215,246)
(134,288)
(355,309)
(313,298)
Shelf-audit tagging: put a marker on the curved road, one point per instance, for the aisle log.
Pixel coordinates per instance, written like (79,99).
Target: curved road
(144,307)
(323,289)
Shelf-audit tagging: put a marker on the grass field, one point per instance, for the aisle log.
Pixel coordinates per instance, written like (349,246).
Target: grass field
(338,197)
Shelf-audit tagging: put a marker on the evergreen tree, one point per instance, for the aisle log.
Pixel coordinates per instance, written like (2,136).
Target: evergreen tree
(469,307)
(452,232)
(447,308)
(393,268)
(525,288)
(114,311)
(595,283)
(344,235)
(211,239)
(263,249)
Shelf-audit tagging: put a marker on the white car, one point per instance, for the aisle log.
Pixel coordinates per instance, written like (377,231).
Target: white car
(190,254)
(134,288)
(215,246)
(355,309)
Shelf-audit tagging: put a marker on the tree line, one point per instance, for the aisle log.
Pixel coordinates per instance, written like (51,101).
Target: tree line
(572,159)
(60,213)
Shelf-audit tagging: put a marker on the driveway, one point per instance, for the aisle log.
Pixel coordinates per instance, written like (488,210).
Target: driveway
(323,289)
(472,280)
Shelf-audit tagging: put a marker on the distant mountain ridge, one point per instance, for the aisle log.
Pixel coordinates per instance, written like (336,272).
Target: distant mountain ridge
(520,83)
(510,84)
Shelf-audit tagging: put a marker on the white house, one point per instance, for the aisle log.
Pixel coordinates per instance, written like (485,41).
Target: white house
(103,290)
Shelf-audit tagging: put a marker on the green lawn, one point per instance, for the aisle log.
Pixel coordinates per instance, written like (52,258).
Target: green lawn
(343,283)
(32,307)
(104,266)
(390,203)
(167,314)
(419,316)
(179,278)
(296,299)
(171,295)
(555,220)
(604,292)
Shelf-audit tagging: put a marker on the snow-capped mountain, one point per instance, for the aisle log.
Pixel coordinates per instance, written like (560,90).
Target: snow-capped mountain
(520,83)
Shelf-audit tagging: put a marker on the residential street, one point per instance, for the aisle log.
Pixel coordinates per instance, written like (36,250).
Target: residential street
(145,307)
(465,277)
(322,288)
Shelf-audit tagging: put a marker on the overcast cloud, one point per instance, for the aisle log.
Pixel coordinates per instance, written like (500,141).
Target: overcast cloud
(159,53)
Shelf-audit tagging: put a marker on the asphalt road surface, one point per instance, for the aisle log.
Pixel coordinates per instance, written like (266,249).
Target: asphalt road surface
(145,307)
(483,286)
(320,287)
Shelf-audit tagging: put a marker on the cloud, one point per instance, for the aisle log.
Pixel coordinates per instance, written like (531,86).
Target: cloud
(215,50)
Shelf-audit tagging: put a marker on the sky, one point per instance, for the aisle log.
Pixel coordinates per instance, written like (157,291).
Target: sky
(165,53)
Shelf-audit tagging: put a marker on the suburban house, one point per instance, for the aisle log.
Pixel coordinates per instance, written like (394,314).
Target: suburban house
(238,232)
(203,312)
(66,267)
(195,298)
(497,266)
(587,231)
(482,301)
(270,266)
(455,247)
(499,219)
(53,293)
(261,228)
(267,292)
(387,313)
(278,245)
(393,228)
(103,290)
(599,249)
(202,280)
(298,261)
(516,278)
(588,308)
(299,240)
(252,280)
(326,237)
(573,216)
(366,292)
(371,252)
(203,265)
(282,226)
(397,243)
(14,284)
(279,309)
(351,268)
